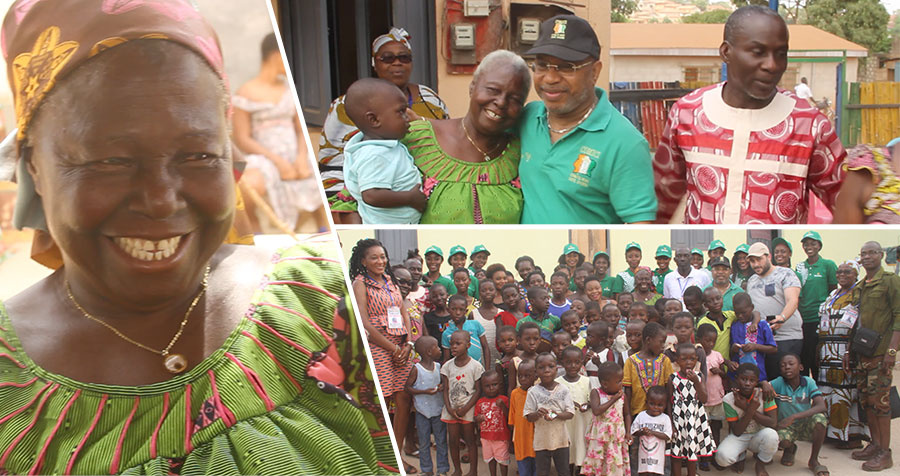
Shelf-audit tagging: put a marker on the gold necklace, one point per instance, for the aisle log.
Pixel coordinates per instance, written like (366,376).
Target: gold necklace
(174,363)
(583,118)
(487,156)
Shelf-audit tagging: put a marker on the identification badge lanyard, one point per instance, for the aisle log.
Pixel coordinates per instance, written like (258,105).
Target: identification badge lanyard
(395,318)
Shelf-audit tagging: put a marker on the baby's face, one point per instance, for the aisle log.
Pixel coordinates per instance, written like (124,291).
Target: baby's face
(390,110)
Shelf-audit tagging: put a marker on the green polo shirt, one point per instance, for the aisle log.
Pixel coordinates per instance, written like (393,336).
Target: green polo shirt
(879,306)
(814,281)
(608,284)
(658,278)
(728,296)
(600,172)
(619,285)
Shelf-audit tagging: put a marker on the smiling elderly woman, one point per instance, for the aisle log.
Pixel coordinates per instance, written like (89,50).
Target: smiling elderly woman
(471,165)
(154,348)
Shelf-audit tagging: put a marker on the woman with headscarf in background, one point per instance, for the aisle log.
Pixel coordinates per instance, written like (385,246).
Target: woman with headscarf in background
(837,318)
(392,60)
(154,348)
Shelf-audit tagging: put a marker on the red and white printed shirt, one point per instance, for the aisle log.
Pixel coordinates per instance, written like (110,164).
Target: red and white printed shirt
(745,165)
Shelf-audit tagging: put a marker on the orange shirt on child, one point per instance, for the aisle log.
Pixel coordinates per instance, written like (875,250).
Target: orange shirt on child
(523,430)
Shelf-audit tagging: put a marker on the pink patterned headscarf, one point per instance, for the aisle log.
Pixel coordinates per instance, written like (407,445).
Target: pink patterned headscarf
(44,40)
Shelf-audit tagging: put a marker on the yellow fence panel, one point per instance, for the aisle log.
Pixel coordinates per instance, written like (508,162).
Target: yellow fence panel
(879,125)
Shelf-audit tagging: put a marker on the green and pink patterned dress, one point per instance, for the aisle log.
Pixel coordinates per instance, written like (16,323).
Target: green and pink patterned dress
(289,392)
(461,192)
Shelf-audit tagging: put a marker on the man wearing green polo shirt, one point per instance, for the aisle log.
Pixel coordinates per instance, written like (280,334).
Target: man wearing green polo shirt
(663,258)
(582,160)
(818,277)
(721,280)
(601,270)
(457,259)
(625,280)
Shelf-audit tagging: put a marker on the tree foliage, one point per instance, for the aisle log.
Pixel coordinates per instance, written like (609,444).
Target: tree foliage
(714,16)
(860,21)
(621,10)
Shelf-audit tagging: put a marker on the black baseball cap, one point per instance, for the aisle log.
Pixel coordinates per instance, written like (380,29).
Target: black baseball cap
(719,261)
(567,37)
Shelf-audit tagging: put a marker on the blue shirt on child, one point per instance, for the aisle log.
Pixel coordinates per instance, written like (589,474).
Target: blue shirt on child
(475,332)
(764,337)
(380,164)
(790,400)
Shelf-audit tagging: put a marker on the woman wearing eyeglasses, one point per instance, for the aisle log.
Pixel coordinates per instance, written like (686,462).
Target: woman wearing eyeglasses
(392,60)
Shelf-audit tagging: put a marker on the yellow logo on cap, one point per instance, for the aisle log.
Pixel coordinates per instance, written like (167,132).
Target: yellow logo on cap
(559,30)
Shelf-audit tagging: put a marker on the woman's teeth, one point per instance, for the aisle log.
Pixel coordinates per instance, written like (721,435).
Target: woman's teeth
(148,250)
(492,114)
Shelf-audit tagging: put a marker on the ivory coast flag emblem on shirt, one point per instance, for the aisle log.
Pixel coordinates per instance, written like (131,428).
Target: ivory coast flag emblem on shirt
(584,164)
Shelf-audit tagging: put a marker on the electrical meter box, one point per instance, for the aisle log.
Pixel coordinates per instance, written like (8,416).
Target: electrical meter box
(477,8)
(462,43)
(529,29)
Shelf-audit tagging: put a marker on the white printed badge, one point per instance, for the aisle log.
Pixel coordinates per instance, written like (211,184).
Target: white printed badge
(851,313)
(395,319)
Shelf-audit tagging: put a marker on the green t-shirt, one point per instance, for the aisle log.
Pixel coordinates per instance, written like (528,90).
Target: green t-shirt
(814,281)
(548,325)
(608,285)
(600,172)
(658,278)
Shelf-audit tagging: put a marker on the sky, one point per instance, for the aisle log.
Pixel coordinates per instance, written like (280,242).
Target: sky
(891,5)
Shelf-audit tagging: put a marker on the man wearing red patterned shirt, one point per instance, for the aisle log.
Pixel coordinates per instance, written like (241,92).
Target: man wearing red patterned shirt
(744,151)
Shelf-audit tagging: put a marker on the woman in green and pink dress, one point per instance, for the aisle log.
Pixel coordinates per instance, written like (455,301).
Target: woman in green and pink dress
(154,348)
(470,165)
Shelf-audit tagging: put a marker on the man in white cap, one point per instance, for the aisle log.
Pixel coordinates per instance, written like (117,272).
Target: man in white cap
(775,292)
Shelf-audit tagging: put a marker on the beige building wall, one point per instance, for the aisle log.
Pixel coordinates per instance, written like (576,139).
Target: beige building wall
(656,68)
(545,245)
(454,88)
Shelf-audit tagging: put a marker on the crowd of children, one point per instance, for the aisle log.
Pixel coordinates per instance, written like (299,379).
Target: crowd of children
(592,382)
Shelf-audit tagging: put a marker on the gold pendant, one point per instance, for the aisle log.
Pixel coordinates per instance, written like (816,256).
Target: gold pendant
(175,363)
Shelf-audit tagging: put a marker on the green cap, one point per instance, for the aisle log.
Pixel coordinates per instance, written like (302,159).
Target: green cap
(458,249)
(664,250)
(571,248)
(812,234)
(435,250)
(631,245)
(742,248)
(600,253)
(714,244)
(696,251)
(782,241)
(479,249)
